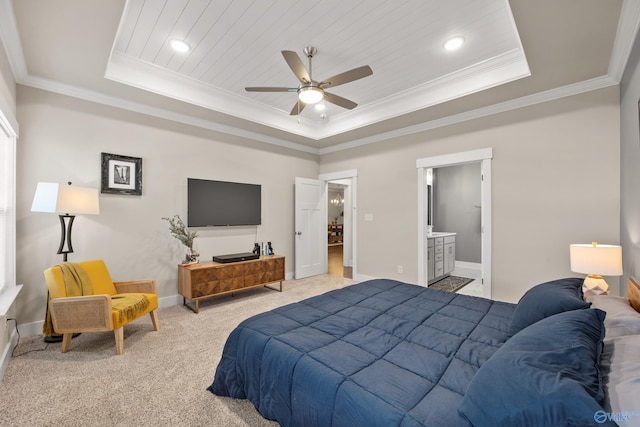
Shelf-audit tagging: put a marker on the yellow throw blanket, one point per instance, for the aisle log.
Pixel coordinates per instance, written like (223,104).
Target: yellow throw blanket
(129,306)
(76,282)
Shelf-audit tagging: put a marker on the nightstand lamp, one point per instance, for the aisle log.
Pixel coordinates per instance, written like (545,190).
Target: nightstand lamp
(596,261)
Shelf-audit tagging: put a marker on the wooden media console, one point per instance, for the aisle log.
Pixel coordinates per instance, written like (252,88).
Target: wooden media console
(208,279)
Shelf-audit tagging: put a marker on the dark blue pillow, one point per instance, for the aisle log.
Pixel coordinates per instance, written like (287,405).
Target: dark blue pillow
(545,375)
(545,300)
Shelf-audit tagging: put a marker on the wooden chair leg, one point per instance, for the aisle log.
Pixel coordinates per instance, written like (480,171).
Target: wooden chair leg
(119,333)
(66,341)
(154,320)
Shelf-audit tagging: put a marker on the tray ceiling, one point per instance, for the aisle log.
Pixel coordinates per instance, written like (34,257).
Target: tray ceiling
(238,43)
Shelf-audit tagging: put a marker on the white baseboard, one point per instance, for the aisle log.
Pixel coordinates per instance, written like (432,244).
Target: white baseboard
(6,352)
(165,302)
(465,264)
(363,278)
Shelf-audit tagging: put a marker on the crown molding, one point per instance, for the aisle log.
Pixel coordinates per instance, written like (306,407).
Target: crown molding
(625,38)
(112,101)
(11,40)
(492,72)
(514,104)
(628,26)
(146,76)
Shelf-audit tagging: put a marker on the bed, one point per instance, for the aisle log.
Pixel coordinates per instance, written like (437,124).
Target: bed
(387,353)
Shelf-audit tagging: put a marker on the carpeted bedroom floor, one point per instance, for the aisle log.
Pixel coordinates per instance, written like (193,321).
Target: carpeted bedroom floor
(160,380)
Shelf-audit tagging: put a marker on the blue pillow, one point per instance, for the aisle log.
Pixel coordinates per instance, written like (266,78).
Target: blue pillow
(545,300)
(545,375)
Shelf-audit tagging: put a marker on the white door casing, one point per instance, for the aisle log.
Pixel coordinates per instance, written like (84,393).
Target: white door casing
(350,247)
(484,156)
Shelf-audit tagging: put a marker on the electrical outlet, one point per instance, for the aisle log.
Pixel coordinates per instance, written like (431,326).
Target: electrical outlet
(400,269)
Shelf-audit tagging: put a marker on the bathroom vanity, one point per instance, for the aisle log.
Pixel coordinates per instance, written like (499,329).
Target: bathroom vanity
(441,255)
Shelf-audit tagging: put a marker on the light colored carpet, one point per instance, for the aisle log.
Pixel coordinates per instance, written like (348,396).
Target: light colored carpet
(160,380)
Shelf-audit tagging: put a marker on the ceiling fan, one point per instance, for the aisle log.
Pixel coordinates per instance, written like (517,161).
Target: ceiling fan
(310,91)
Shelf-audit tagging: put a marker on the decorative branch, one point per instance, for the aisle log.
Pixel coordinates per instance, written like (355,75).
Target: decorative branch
(180,232)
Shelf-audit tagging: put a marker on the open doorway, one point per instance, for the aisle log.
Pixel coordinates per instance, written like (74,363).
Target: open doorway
(312,221)
(426,214)
(337,192)
(454,210)
(341,224)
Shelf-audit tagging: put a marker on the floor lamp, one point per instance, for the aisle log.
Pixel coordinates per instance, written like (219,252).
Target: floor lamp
(67,201)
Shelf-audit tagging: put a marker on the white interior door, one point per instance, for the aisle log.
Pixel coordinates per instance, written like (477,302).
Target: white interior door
(310,227)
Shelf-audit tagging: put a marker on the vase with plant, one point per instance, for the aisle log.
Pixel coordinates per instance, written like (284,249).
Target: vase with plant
(186,237)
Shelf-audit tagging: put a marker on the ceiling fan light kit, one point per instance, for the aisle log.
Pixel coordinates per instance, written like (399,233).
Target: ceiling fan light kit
(310,91)
(310,94)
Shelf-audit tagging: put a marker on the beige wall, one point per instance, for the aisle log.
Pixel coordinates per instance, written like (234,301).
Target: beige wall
(556,181)
(61,140)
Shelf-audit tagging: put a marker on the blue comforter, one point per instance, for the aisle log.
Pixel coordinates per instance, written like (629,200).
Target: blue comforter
(379,353)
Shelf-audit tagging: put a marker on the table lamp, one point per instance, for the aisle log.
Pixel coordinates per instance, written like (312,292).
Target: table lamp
(67,201)
(596,261)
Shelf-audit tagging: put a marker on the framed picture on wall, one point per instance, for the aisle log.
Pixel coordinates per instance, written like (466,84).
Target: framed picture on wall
(121,174)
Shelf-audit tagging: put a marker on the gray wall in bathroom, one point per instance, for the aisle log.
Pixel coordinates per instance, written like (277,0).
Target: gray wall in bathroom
(456,201)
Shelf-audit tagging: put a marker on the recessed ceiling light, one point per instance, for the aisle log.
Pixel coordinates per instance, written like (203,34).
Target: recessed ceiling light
(454,43)
(179,45)
(320,106)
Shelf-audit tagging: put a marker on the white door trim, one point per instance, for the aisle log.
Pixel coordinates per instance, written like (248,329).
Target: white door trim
(484,156)
(353,175)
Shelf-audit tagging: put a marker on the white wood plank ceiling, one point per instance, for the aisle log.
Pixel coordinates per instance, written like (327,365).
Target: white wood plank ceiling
(237,43)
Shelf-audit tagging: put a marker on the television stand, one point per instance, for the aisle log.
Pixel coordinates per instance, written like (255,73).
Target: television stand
(209,279)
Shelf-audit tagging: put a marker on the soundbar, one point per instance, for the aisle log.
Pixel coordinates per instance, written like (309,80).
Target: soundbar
(223,259)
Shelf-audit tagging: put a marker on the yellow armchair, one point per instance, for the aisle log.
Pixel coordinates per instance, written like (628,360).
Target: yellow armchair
(97,304)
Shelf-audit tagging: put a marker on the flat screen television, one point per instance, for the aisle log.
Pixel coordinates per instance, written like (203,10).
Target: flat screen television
(220,203)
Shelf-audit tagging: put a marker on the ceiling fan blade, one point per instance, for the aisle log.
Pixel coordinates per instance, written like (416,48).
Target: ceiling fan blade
(347,76)
(270,89)
(296,65)
(340,101)
(297,108)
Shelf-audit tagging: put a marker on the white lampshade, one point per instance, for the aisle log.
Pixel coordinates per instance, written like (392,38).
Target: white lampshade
(603,260)
(55,198)
(310,94)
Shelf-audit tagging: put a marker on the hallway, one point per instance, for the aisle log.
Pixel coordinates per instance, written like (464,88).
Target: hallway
(335,260)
